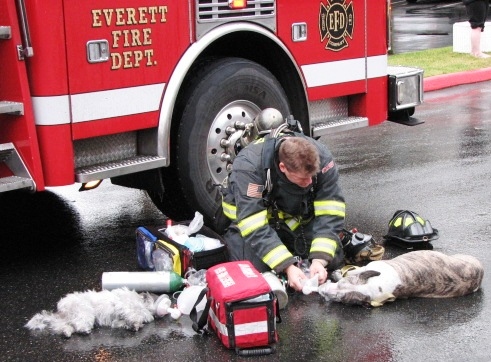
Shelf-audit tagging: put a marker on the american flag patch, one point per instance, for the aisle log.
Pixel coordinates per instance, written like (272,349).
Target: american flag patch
(328,167)
(255,190)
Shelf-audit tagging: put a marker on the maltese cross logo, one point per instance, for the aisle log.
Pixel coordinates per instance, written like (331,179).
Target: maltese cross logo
(336,23)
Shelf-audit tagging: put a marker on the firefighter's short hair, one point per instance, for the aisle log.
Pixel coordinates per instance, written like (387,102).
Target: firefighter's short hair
(299,155)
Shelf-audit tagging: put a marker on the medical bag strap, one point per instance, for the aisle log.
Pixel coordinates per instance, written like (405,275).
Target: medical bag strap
(199,324)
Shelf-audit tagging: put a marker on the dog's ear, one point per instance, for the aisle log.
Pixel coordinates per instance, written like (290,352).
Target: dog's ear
(364,276)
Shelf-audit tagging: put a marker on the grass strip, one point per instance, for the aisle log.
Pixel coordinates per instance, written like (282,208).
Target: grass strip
(439,61)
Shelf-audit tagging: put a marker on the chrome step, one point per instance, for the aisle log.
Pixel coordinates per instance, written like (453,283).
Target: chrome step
(6,152)
(118,168)
(5,32)
(16,108)
(338,125)
(21,178)
(15,183)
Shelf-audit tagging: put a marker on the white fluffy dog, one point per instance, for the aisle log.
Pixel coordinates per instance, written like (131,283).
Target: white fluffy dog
(80,312)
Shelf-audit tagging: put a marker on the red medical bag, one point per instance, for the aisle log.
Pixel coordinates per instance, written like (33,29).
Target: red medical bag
(242,310)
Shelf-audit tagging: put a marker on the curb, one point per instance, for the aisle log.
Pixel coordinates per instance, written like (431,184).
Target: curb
(449,80)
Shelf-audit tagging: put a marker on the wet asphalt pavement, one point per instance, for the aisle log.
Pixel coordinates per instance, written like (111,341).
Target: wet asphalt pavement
(61,241)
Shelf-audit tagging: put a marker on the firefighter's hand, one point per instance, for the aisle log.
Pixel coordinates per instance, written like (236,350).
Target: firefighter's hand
(295,277)
(317,268)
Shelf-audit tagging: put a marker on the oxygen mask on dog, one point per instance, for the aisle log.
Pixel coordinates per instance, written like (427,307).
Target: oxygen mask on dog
(310,285)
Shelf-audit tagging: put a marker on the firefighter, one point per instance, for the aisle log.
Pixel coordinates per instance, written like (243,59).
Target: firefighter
(285,206)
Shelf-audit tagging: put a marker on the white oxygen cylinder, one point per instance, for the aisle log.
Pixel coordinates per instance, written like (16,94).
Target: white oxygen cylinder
(147,281)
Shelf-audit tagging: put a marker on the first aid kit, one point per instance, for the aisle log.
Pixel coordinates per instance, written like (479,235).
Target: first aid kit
(241,309)
(158,250)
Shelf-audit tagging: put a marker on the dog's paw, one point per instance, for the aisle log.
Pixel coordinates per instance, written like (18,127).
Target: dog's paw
(134,327)
(67,334)
(138,323)
(119,323)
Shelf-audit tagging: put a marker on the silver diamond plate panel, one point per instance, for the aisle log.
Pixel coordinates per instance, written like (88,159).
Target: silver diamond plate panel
(323,110)
(105,149)
(118,168)
(339,125)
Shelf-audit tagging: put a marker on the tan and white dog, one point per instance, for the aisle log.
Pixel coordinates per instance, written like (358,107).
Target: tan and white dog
(423,273)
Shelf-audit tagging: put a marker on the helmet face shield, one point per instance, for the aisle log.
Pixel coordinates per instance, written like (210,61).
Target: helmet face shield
(419,229)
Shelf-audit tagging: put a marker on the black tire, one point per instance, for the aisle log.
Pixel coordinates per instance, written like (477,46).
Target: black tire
(167,196)
(223,92)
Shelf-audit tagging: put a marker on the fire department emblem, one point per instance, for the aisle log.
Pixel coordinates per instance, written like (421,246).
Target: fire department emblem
(336,22)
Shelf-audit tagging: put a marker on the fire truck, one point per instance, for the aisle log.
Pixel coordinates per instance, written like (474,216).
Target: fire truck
(158,95)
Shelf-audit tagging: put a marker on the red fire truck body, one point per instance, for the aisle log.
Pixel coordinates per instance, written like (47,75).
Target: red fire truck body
(155,94)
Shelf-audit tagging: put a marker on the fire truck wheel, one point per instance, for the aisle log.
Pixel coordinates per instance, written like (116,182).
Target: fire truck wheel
(225,95)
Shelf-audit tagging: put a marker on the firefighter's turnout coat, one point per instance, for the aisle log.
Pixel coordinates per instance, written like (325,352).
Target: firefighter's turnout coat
(312,217)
